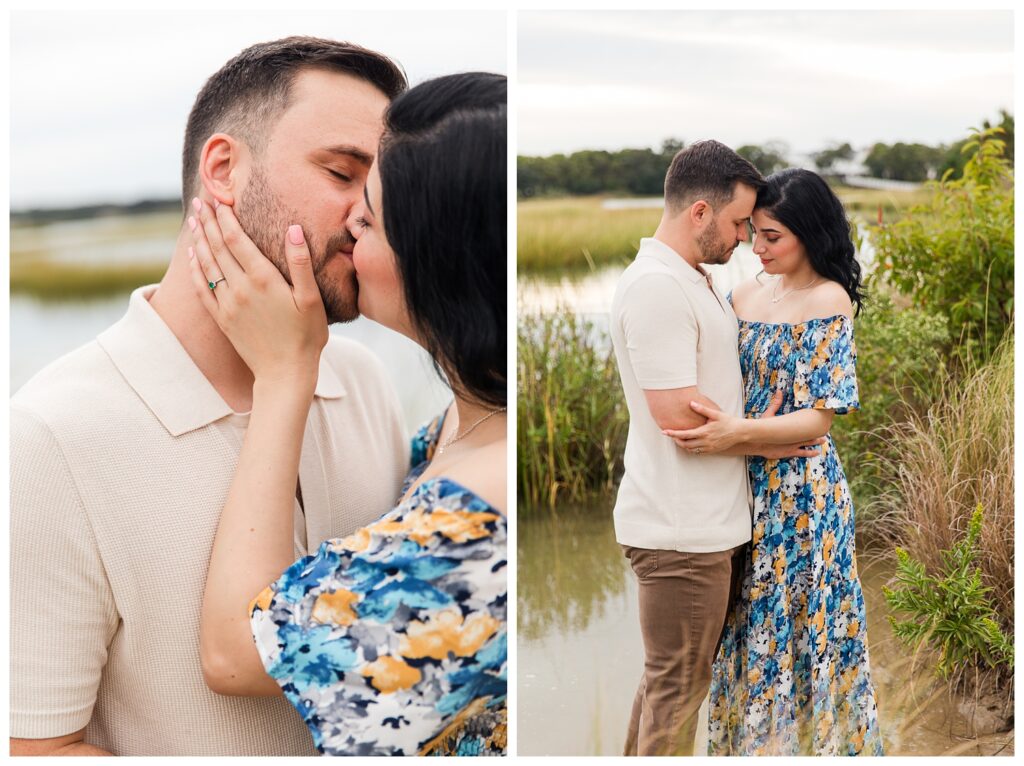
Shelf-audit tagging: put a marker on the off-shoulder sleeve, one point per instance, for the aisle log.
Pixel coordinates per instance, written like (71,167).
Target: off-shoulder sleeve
(424,441)
(825,377)
(388,641)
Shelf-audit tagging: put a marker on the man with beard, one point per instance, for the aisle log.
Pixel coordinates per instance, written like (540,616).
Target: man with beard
(122,452)
(683,520)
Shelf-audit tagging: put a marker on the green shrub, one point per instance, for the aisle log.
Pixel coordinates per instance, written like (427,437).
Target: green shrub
(899,352)
(572,417)
(953,255)
(950,613)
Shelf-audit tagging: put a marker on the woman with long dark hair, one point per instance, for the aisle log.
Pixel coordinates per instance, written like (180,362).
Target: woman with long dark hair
(393,639)
(792,676)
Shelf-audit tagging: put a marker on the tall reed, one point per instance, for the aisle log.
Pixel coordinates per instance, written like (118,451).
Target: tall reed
(572,418)
(942,464)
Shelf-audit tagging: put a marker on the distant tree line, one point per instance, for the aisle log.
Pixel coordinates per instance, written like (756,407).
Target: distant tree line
(49,215)
(641,172)
(917,162)
(628,171)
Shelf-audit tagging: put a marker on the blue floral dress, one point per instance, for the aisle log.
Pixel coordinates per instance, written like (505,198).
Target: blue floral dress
(792,674)
(392,641)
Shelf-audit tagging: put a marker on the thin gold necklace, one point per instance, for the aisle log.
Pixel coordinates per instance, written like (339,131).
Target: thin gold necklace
(775,288)
(452,439)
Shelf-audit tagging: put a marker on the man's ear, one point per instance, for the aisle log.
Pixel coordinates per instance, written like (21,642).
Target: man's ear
(219,166)
(700,212)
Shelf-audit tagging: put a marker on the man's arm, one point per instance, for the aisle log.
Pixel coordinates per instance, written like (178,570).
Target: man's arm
(70,744)
(63,615)
(671,409)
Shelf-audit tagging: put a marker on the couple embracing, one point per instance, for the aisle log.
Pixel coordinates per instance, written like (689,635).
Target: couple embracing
(733,510)
(214,505)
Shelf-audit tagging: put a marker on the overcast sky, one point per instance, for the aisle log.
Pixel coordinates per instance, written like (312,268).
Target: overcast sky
(608,80)
(99,100)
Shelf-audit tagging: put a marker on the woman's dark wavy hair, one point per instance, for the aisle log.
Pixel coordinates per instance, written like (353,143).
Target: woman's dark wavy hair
(805,204)
(443,176)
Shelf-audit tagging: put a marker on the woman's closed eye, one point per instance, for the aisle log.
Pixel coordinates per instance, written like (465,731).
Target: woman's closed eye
(362,223)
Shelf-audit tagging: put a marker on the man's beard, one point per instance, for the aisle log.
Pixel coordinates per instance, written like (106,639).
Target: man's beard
(712,250)
(263,217)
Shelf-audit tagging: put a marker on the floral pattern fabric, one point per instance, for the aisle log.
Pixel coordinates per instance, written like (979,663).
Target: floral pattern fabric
(392,641)
(792,675)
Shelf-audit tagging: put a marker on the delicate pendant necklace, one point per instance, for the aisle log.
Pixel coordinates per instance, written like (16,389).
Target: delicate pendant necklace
(456,436)
(775,288)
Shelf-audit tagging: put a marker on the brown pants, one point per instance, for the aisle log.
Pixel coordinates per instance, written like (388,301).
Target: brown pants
(684,600)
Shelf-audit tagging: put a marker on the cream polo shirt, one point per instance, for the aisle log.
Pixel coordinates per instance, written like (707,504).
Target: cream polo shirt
(122,454)
(669,330)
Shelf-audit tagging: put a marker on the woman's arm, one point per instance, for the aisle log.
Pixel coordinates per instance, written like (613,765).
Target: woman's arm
(723,432)
(253,545)
(726,435)
(279,331)
(775,451)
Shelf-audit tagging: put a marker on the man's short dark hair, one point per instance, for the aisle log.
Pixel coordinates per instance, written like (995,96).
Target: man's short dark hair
(252,90)
(707,170)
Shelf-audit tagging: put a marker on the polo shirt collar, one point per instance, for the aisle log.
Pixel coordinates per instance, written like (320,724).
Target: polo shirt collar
(157,367)
(655,248)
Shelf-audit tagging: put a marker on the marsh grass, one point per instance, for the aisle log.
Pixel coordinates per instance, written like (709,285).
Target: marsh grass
(49,281)
(69,259)
(866,202)
(942,464)
(575,234)
(572,417)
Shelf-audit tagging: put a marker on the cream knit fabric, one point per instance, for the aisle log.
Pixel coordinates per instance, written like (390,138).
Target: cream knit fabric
(670,329)
(122,454)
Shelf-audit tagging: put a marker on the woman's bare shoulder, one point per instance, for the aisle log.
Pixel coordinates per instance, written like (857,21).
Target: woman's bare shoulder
(829,299)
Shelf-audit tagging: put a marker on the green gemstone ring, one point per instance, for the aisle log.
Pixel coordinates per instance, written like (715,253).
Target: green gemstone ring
(213,285)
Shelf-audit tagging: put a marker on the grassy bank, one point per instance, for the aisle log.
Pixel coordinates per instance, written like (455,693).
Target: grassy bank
(50,281)
(57,259)
(576,234)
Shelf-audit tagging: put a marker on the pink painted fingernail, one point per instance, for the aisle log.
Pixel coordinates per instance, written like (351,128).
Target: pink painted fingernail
(216,203)
(196,204)
(295,234)
(192,223)
(191,253)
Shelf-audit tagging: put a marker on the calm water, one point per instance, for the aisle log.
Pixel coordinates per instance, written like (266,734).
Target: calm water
(580,653)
